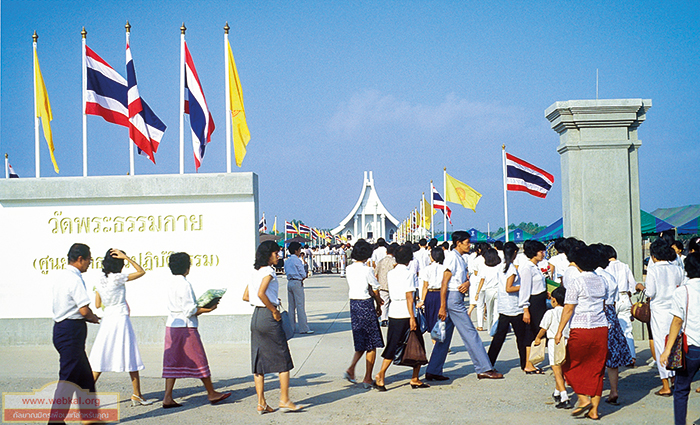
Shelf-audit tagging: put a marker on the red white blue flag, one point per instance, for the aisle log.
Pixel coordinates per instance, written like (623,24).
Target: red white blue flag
(11,172)
(304,229)
(107,96)
(145,129)
(439,204)
(290,228)
(201,120)
(525,177)
(262,225)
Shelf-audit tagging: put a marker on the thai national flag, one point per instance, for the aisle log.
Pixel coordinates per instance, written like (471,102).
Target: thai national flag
(12,173)
(304,229)
(525,177)
(439,204)
(289,228)
(201,120)
(107,96)
(262,225)
(145,129)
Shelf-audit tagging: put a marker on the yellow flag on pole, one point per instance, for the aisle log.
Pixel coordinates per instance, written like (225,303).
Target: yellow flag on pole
(241,135)
(43,108)
(460,193)
(427,215)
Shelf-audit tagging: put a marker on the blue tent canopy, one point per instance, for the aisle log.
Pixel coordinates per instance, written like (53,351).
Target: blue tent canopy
(551,232)
(516,235)
(652,224)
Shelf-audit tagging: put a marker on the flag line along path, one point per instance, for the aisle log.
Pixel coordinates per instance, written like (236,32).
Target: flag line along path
(320,360)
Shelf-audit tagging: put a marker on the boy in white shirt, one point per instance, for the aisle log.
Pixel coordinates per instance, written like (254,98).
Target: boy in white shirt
(550,325)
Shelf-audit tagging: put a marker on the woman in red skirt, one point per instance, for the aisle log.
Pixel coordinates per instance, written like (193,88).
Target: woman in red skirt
(587,347)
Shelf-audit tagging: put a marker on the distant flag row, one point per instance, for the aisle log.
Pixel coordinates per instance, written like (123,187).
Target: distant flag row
(518,175)
(117,100)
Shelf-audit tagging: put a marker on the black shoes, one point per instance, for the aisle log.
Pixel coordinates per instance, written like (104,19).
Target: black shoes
(431,377)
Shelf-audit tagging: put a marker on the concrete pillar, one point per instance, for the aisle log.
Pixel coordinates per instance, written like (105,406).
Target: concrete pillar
(600,172)
(364,229)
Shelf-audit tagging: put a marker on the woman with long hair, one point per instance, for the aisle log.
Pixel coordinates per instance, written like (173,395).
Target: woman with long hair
(509,313)
(268,343)
(365,308)
(115,348)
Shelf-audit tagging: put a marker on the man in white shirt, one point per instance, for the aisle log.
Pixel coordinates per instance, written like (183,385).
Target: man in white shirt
(422,256)
(294,269)
(455,284)
(379,252)
(70,314)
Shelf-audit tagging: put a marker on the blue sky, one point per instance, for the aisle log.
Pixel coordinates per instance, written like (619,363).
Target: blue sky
(400,88)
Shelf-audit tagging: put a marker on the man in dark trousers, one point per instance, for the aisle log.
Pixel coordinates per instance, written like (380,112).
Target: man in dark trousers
(70,314)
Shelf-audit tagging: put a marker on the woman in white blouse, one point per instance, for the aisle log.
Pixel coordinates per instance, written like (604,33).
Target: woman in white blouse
(363,293)
(431,277)
(402,287)
(488,279)
(685,309)
(532,297)
(662,280)
(115,348)
(587,346)
(268,344)
(184,355)
(509,314)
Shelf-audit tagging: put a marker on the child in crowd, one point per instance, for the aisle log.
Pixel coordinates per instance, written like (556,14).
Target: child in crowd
(549,326)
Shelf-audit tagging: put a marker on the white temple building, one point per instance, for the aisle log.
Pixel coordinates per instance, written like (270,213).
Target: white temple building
(369,219)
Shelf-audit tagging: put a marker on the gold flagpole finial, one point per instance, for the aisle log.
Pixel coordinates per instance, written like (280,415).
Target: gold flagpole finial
(5,156)
(444,168)
(183,28)
(127,26)
(226,28)
(35,37)
(503,147)
(83,33)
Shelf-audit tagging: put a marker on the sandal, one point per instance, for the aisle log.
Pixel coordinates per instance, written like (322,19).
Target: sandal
(582,409)
(264,409)
(659,393)
(534,372)
(223,397)
(290,407)
(612,401)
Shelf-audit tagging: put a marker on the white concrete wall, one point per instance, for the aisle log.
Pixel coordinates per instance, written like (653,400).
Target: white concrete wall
(212,217)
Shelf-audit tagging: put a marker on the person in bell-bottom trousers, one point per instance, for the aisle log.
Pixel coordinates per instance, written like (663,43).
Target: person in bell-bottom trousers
(454,313)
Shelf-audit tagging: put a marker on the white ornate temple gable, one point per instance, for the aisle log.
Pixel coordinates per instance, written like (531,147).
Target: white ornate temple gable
(369,219)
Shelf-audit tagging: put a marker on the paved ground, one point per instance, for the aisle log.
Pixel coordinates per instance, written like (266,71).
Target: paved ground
(320,360)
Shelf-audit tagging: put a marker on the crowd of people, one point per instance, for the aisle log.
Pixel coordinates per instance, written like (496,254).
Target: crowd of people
(577,303)
(578,300)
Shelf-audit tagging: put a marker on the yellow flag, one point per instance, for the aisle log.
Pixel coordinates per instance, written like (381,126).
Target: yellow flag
(461,193)
(43,108)
(274,227)
(241,135)
(428,215)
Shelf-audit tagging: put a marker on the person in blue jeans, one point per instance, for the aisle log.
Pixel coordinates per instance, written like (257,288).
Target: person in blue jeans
(453,311)
(686,317)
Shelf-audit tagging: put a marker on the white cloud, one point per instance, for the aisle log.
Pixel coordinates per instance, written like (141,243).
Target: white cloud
(373,111)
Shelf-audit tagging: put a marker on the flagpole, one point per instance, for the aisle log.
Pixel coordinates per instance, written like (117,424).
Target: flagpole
(7,167)
(505,188)
(444,188)
(422,207)
(432,208)
(131,145)
(182,98)
(228,99)
(84,34)
(37,153)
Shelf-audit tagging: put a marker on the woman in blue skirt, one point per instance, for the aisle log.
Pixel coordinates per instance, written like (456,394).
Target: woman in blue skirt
(365,308)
